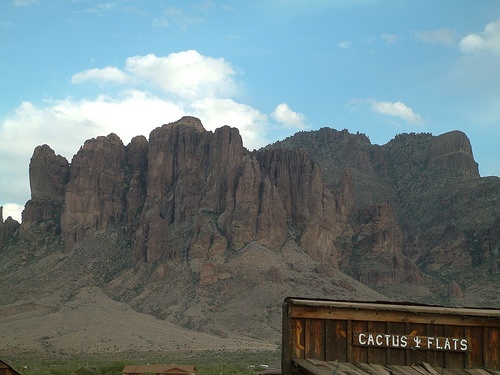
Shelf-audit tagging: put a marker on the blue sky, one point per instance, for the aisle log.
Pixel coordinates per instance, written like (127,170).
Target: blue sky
(76,69)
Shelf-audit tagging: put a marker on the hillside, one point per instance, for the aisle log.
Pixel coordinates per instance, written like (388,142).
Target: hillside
(188,241)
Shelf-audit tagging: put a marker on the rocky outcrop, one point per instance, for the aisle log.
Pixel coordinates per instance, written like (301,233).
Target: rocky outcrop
(186,195)
(8,228)
(379,231)
(454,290)
(207,183)
(307,202)
(49,175)
(376,255)
(95,193)
(452,151)
(191,196)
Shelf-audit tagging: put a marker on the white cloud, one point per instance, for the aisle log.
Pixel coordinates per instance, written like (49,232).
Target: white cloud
(203,6)
(396,109)
(99,9)
(192,84)
(288,118)
(23,3)
(344,45)
(187,74)
(215,113)
(389,38)
(107,74)
(441,36)
(13,210)
(65,125)
(488,40)
(178,17)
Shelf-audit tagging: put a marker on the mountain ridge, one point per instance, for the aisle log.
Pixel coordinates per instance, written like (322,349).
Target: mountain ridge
(193,229)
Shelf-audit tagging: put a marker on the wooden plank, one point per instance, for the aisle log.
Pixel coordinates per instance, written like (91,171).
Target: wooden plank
(315,339)
(392,316)
(477,371)
(336,340)
(407,352)
(405,370)
(398,356)
(373,369)
(349,341)
(492,348)
(420,369)
(416,356)
(311,367)
(286,340)
(485,345)
(298,348)
(333,366)
(433,357)
(429,368)
(454,359)
(353,369)
(388,355)
(369,354)
(483,313)
(378,355)
(360,353)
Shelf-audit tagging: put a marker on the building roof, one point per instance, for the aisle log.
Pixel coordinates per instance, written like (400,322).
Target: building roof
(395,306)
(4,365)
(317,367)
(159,369)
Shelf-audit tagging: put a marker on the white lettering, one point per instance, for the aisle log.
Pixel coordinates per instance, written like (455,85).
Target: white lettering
(447,345)
(362,338)
(411,341)
(464,345)
(387,338)
(395,341)
(430,341)
(437,344)
(371,341)
(404,341)
(417,340)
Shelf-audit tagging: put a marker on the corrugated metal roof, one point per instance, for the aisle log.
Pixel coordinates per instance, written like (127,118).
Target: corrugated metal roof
(159,369)
(329,368)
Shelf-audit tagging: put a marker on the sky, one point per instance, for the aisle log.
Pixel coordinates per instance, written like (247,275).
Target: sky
(72,70)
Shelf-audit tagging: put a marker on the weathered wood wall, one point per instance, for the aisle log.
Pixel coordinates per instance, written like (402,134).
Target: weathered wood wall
(332,331)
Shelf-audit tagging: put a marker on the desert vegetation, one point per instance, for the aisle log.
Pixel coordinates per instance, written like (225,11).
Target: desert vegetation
(207,363)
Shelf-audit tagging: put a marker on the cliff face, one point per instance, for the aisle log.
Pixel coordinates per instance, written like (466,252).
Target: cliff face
(95,191)
(383,214)
(418,205)
(190,227)
(185,195)
(8,228)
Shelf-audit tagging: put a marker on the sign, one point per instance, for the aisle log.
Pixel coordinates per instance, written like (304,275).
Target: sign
(387,340)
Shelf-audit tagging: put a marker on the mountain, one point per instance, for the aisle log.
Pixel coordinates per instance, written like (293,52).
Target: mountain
(187,240)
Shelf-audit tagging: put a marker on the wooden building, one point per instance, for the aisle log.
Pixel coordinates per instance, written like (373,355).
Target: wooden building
(159,370)
(324,337)
(5,369)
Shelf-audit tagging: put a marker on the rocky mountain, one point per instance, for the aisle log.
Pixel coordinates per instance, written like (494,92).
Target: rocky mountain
(192,230)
